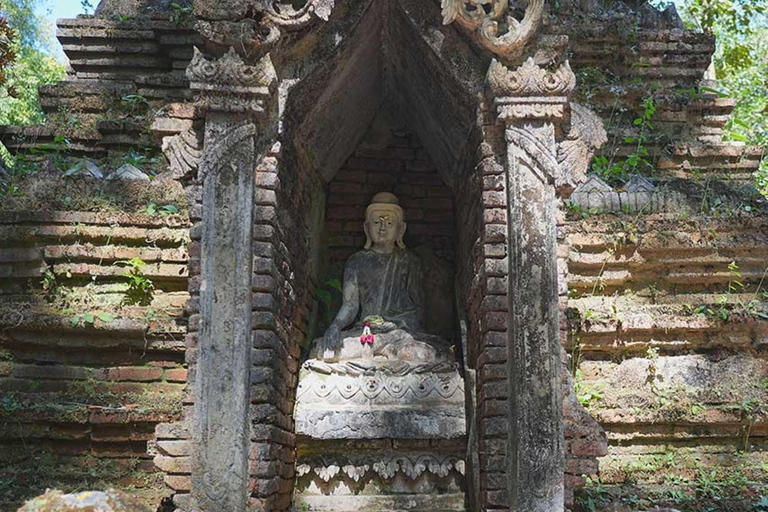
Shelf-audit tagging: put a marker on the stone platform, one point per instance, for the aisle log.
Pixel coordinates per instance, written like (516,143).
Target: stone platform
(380,435)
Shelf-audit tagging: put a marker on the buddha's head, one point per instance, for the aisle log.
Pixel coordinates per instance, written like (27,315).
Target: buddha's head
(384,223)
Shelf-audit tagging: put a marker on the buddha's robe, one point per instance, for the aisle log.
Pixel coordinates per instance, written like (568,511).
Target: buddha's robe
(389,286)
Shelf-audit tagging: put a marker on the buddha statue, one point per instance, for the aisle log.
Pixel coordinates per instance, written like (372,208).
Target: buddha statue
(382,290)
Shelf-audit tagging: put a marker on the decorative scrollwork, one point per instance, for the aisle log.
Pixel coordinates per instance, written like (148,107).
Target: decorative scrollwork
(412,465)
(380,388)
(530,79)
(227,84)
(184,152)
(286,16)
(483,16)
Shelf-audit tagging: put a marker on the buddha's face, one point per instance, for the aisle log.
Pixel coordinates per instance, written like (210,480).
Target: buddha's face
(384,227)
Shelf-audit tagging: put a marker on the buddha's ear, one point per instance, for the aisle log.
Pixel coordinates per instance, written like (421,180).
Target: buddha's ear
(400,242)
(368,242)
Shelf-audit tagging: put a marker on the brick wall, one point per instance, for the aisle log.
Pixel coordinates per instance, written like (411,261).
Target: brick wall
(404,169)
(81,395)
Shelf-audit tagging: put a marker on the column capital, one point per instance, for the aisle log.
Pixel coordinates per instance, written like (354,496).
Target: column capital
(530,91)
(533,102)
(229,85)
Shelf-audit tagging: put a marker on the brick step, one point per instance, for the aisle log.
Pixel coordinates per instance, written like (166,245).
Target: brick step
(153,330)
(130,236)
(664,278)
(672,465)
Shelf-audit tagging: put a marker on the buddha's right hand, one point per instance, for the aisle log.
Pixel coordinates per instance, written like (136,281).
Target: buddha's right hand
(332,341)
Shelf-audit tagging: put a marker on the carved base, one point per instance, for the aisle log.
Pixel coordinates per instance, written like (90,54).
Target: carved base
(388,400)
(380,436)
(380,475)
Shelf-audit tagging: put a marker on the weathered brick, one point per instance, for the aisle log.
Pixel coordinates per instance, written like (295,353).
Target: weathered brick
(130,374)
(178,482)
(174,448)
(174,465)
(176,375)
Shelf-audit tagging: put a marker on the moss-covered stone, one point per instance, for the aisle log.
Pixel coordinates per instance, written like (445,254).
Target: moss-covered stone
(89,501)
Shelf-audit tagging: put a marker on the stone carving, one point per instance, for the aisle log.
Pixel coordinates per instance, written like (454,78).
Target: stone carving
(412,465)
(483,18)
(586,135)
(532,99)
(286,16)
(533,103)
(639,195)
(383,284)
(227,84)
(255,27)
(380,388)
(237,100)
(183,152)
(220,422)
(530,79)
(362,367)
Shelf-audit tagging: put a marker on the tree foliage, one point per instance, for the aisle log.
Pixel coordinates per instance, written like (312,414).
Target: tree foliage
(741,64)
(34,62)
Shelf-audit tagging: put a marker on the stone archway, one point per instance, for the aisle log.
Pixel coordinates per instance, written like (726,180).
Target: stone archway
(503,133)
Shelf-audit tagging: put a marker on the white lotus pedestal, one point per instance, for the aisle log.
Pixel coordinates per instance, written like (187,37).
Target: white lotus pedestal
(381,436)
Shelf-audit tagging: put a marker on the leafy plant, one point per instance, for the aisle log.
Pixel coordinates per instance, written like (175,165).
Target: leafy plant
(324,296)
(652,372)
(181,15)
(638,161)
(8,404)
(168,209)
(26,40)
(87,6)
(749,408)
(134,104)
(140,287)
(90,318)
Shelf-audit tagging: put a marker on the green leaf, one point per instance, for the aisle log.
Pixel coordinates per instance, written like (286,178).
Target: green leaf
(324,296)
(738,137)
(89,318)
(334,283)
(721,94)
(169,209)
(741,123)
(75,320)
(105,317)
(151,209)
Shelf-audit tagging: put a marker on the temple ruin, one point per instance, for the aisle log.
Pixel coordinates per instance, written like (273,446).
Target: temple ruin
(174,259)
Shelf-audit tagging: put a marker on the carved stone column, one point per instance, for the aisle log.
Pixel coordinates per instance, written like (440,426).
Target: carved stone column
(533,104)
(237,100)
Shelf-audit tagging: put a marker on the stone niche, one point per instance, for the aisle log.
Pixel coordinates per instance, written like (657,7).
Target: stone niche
(386,436)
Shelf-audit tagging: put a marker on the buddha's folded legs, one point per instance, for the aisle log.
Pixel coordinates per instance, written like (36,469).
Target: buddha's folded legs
(396,344)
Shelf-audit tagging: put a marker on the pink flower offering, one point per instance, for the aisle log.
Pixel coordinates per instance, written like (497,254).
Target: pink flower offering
(367,336)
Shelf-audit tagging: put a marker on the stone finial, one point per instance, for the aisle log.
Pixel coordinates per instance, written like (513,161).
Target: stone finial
(485,23)
(228,84)
(640,184)
(84,169)
(128,172)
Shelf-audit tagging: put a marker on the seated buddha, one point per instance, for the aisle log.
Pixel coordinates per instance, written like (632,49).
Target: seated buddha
(382,313)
